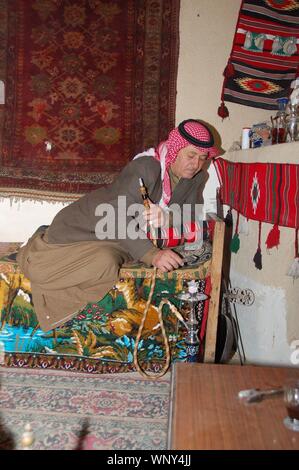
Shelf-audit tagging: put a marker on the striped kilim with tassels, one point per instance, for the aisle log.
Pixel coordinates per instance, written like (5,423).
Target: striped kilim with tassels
(264,59)
(267,192)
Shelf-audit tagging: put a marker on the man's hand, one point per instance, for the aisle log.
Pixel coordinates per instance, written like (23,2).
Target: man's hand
(167,260)
(155,215)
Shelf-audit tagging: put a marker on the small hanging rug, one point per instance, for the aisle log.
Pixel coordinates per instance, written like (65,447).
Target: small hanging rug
(264,58)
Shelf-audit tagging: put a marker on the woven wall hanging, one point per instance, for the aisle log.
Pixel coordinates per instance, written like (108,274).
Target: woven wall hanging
(265,192)
(264,59)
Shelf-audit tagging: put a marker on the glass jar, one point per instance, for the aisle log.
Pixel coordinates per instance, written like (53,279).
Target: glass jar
(279,131)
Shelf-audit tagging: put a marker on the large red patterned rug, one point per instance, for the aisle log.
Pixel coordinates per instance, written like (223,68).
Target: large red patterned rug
(89,83)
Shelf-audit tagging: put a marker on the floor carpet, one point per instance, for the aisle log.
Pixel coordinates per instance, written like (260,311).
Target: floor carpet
(68,410)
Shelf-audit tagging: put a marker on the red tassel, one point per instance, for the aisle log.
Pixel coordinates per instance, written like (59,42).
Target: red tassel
(229,70)
(273,237)
(223,111)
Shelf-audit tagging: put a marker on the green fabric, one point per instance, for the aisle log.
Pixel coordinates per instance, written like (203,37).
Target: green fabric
(235,243)
(103,331)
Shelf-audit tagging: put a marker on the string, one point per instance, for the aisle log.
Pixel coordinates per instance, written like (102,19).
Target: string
(260,232)
(175,311)
(237,223)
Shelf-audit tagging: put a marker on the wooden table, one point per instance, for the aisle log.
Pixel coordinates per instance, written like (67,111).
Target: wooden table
(207,414)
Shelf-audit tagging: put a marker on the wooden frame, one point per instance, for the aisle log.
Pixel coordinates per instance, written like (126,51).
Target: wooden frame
(216,276)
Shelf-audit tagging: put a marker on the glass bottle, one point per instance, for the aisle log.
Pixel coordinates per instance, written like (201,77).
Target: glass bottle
(279,131)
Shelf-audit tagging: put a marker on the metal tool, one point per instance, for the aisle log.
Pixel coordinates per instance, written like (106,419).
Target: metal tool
(254,395)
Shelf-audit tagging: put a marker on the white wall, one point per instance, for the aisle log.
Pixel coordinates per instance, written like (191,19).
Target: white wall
(207,28)
(275,314)
(19,220)
(272,323)
(263,325)
(270,326)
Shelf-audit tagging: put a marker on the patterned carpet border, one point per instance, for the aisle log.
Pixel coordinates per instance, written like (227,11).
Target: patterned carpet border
(82,412)
(73,363)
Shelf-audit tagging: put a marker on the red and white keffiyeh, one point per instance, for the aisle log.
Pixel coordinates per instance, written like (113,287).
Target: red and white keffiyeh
(167,151)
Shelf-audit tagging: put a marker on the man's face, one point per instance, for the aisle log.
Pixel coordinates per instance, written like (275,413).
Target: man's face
(188,162)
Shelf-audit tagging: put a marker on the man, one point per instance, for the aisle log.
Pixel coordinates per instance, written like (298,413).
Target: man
(73,262)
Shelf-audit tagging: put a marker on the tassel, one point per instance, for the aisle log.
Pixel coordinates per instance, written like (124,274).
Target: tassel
(235,243)
(294,268)
(229,218)
(229,70)
(273,237)
(257,259)
(223,111)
